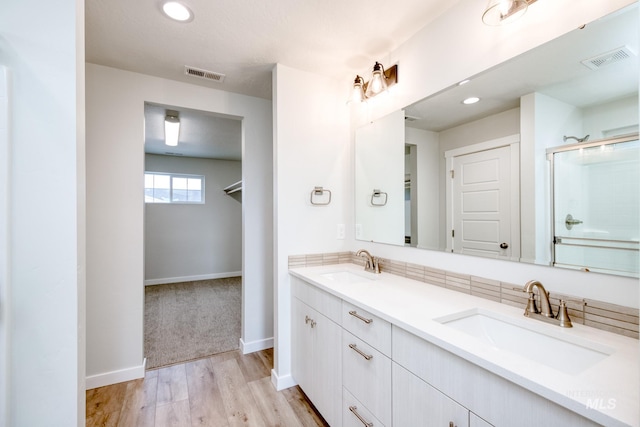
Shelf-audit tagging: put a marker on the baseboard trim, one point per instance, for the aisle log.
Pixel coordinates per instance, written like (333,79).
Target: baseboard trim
(253,346)
(192,278)
(280,383)
(114,377)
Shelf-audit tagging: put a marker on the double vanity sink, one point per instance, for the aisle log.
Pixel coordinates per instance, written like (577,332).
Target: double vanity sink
(588,371)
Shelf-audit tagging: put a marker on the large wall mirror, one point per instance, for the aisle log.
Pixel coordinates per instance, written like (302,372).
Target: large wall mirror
(478,178)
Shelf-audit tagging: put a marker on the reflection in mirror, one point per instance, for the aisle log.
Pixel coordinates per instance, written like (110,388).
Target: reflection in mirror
(595,205)
(583,83)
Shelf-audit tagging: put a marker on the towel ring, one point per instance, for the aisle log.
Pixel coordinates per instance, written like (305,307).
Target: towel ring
(319,192)
(378,194)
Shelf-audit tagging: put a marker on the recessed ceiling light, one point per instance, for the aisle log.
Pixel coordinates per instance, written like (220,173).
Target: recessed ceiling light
(464,82)
(177,11)
(471,100)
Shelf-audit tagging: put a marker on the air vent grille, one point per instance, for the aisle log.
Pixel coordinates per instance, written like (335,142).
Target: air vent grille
(608,58)
(204,74)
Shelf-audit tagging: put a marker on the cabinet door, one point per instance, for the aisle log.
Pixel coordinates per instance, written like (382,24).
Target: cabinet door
(416,403)
(302,343)
(327,369)
(316,362)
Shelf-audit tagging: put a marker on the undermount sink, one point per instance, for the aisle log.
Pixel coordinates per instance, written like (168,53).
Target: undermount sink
(346,277)
(568,354)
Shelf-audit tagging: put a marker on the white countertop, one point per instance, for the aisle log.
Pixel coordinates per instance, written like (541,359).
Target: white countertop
(612,384)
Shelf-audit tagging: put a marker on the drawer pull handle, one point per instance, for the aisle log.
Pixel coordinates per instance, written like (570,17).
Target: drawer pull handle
(360,352)
(356,315)
(354,409)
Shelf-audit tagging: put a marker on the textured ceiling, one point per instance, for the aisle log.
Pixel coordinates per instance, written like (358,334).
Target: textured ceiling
(244,39)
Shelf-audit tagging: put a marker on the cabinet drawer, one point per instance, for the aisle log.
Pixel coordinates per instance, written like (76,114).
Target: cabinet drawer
(368,327)
(366,374)
(416,403)
(327,304)
(355,414)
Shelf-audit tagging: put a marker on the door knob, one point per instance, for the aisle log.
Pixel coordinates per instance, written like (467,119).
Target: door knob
(504,245)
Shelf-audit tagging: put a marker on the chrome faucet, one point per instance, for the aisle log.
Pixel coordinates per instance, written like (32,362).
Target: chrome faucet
(545,307)
(372,263)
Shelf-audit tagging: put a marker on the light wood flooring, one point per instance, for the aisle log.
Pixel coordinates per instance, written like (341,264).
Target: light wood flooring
(227,389)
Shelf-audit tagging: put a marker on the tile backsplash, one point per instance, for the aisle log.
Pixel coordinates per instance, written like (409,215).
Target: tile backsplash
(597,314)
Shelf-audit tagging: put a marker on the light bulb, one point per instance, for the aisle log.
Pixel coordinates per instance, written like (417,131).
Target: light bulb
(171,130)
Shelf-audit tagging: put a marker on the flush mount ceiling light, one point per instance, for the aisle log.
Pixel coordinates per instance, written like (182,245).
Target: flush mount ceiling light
(381,80)
(500,12)
(177,11)
(171,128)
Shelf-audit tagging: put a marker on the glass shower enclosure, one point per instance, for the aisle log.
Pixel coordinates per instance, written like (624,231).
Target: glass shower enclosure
(596,211)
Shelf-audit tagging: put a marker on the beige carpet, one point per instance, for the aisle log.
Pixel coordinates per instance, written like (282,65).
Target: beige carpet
(191,320)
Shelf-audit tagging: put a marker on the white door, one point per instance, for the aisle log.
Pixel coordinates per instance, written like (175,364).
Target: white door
(481,203)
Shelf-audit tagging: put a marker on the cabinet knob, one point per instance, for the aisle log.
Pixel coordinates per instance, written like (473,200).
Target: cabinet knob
(307,319)
(503,245)
(451,424)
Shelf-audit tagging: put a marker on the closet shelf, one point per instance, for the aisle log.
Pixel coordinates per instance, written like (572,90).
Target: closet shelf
(233,188)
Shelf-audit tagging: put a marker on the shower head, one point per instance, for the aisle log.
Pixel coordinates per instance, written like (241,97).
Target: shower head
(576,138)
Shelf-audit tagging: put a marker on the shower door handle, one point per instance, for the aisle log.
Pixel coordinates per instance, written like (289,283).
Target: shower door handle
(570,221)
(504,245)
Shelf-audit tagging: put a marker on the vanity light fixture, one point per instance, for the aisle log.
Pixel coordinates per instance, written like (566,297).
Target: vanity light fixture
(471,100)
(381,80)
(500,12)
(171,128)
(177,11)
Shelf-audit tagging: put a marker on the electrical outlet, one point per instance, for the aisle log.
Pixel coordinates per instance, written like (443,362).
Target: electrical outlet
(358,231)
(340,232)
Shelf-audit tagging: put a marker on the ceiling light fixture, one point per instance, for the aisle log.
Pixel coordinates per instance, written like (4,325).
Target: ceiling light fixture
(177,11)
(500,12)
(471,100)
(171,128)
(381,80)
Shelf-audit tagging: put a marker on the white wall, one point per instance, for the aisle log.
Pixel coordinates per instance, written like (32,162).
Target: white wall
(43,274)
(194,241)
(379,165)
(428,186)
(311,148)
(611,119)
(115,210)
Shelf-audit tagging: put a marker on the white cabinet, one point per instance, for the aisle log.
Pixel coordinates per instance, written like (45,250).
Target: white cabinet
(493,398)
(366,374)
(316,353)
(416,403)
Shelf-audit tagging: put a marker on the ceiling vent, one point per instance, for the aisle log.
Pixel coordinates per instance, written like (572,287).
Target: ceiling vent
(204,74)
(608,58)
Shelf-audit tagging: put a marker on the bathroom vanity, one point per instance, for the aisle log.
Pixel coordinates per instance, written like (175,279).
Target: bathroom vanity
(384,350)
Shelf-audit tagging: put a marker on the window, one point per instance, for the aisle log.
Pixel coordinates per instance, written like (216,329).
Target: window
(173,188)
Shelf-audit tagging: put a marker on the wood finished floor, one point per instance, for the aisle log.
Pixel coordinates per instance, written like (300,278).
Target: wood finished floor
(227,389)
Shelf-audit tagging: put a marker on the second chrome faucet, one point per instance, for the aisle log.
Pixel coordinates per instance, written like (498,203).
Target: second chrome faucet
(372,263)
(545,311)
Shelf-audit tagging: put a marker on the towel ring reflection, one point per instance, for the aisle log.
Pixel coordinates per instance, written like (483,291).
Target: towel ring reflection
(377,194)
(319,192)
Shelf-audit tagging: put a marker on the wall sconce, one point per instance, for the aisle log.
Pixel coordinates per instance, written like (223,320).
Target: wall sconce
(500,12)
(171,128)
(381,80)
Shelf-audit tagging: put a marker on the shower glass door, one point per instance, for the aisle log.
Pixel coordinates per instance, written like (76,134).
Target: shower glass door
(596,189)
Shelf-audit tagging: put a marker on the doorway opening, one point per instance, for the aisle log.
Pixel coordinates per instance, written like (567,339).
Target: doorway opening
(193,235)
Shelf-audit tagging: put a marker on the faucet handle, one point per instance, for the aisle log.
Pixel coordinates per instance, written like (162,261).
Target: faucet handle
(563,316)
(531,305)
